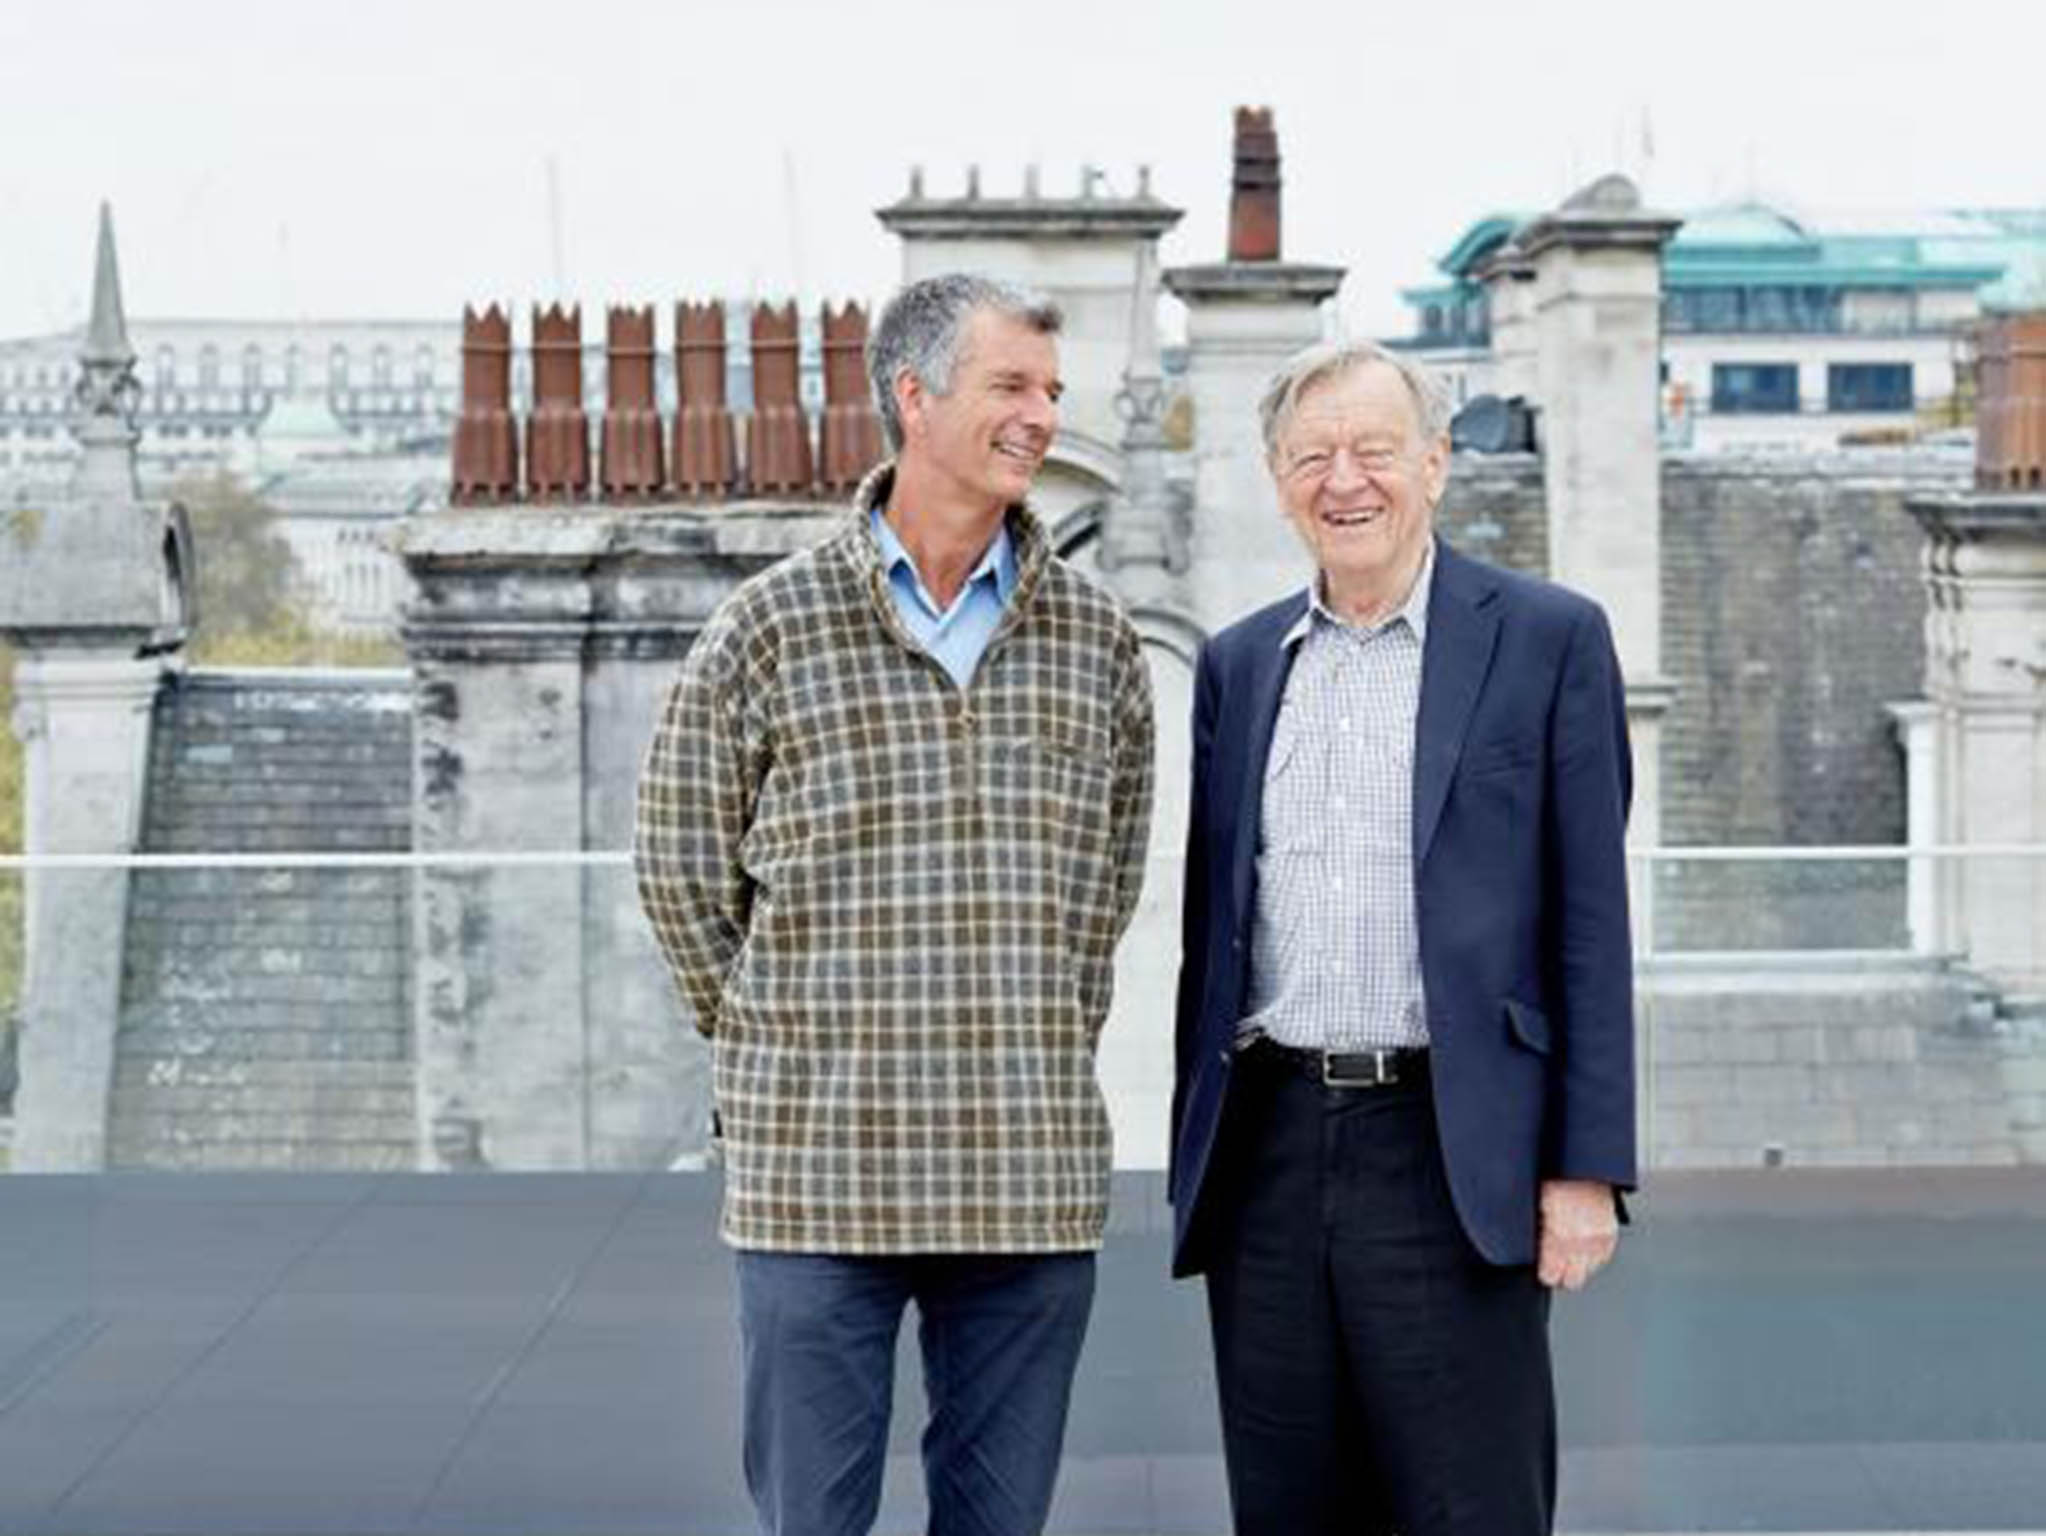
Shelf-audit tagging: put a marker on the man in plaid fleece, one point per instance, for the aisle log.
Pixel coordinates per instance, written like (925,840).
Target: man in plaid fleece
(891,826)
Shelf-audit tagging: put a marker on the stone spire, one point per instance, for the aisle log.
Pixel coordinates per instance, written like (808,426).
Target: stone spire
(106,396)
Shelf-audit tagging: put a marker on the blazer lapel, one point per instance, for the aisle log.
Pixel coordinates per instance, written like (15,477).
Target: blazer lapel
(1264,686)
(1463,625)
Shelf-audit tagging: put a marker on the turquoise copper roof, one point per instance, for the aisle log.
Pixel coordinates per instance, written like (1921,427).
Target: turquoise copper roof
(1750,243)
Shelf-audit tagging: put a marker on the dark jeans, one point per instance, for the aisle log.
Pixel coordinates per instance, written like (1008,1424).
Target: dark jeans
(1001,1334)
(1376,1374)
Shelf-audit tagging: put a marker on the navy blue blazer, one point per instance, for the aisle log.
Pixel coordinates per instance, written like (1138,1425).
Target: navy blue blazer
(1521,785)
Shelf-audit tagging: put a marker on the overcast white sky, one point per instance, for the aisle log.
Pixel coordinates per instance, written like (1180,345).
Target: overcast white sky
(389,157)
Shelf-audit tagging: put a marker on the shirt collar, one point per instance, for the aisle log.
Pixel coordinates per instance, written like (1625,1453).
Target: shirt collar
(1414,610)
(997,561)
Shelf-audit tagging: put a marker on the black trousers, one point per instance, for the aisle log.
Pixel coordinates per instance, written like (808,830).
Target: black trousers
(1376,1374)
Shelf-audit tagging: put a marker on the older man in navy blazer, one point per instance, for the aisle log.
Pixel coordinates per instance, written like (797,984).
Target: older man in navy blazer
(1404,1103)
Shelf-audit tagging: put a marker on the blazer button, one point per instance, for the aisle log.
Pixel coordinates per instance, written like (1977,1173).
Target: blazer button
(1237,944)
(1223,1055)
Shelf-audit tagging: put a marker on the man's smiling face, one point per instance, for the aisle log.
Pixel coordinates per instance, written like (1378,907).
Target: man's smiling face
(1359,483)
(988,434)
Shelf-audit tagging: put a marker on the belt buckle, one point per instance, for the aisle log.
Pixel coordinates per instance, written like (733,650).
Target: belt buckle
(1381,1070)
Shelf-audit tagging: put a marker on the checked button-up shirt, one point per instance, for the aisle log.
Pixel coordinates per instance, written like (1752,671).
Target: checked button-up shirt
(1336,950)
(893,902)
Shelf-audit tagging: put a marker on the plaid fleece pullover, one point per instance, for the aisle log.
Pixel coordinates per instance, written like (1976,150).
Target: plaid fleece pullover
(893,903)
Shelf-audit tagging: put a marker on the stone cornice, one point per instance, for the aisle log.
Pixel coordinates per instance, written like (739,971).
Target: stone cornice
(1005,218)
(1981,514)
(1267,281)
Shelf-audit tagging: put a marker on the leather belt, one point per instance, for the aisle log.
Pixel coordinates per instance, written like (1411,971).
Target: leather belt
(1345,1069)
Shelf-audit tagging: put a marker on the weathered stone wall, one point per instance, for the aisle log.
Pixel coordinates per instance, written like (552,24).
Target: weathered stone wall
(1826,1064)
(1495,510)
(1793,612)
(542,641)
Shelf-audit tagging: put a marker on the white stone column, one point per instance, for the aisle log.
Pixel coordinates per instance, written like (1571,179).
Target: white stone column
(1986,680)
(83,718)
(1243,320)
(1596,321)
(1509,305)
(1918,733)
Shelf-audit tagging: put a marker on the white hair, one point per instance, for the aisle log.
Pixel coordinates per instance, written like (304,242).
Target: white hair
(1330,359)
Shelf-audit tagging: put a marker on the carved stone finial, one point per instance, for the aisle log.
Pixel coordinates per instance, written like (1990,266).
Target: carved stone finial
(107,392)
(916,183)
(972,183)
(1030,183)
(1145,526)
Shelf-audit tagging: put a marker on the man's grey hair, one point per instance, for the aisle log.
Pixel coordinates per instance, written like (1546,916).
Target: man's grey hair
(920,327)
(1329,360)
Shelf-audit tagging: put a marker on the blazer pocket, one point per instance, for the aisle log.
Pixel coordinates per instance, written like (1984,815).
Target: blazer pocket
(1500,757)
(1528,1026)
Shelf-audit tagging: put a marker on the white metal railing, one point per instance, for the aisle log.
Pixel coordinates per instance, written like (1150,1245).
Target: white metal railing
(1927,907)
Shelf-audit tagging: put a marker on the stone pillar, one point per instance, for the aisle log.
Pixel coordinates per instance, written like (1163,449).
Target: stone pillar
(496,646)
(82,715)
(1244,317)
(1596,303)
(542,642)
(1508,278)
(92,594)
(1985,665)
(1919,734)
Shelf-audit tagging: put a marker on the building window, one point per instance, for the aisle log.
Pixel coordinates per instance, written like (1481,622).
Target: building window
(209,367)
(337,367)
(166,369)
(1868,387)
(1742,388)
(380,367)
(422,366)
(252,367)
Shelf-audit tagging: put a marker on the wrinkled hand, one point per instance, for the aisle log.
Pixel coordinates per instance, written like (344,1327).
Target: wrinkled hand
(1579,1231)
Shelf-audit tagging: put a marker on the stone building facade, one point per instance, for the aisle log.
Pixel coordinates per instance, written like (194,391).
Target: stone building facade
(1768,616)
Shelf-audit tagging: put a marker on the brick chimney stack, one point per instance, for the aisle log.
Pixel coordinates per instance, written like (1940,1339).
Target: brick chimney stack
(706,453)
(2010,410)
(778,435)
(630,463)
(486,437)
(558,431)
(850,432)
(1254,192)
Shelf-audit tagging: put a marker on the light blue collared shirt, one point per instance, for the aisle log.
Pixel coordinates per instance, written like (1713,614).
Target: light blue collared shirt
(958,636)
